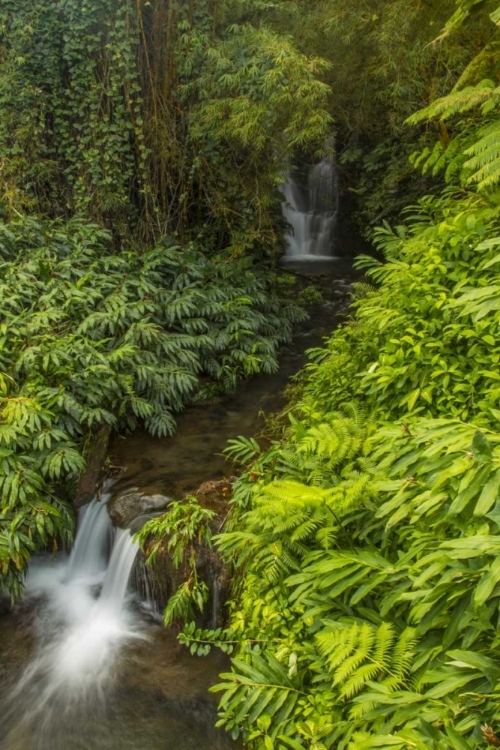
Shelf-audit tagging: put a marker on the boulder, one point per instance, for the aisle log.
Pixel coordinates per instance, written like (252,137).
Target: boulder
(214,492)
(160,578)
(137,524)
(125,508)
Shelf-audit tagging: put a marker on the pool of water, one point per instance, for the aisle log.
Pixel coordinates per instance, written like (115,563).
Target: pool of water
(156,698)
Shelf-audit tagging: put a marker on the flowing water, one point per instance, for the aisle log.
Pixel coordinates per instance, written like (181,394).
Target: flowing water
(88,557)
(81,667)
(80,660)
(311,208)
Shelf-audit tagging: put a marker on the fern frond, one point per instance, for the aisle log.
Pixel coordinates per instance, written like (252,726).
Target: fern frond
(485,157)
(458,102)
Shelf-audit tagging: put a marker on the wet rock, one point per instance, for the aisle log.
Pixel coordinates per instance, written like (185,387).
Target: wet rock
(159,579)
(125,508)
(137,524)
(214,492)
(5,603)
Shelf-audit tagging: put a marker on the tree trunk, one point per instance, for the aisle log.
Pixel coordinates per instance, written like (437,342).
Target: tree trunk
(95,456)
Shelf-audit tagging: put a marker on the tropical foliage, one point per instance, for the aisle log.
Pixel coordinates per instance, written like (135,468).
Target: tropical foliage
(181,117)
(154,118)
(179,534)
(365,541)
(385,65)
(89,338)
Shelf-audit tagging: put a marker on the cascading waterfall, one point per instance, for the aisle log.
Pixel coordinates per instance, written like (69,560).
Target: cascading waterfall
(88,558)
(80,630)
(120,566)
(311,208)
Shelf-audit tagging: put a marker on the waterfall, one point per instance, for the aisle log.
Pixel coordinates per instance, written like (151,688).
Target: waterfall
(151,592)
(81,626)
(311,208)
(88,556)
(120,566)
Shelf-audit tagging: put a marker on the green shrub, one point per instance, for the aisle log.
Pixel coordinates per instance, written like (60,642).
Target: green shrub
(425,341)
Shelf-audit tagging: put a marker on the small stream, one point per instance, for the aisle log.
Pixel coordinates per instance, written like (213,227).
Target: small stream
(176,465)
(81,666)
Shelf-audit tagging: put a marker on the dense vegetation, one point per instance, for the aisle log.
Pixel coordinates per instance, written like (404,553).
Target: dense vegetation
(155,118)
(90,338)
(364,543)
(140,152)
(384,65)
(142,146)
(368,537)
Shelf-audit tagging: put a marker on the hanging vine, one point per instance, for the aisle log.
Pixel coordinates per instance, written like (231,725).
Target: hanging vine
(75,66)
(108,109)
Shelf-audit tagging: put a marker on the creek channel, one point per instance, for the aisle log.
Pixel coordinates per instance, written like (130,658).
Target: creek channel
(82,667)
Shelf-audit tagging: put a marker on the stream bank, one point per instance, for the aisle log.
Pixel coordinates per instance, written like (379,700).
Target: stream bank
(177,465)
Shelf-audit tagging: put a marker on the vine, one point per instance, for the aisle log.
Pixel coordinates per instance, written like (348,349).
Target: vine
(107,111)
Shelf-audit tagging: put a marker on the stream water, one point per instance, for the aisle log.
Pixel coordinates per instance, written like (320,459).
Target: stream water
(174,466)
(81,668)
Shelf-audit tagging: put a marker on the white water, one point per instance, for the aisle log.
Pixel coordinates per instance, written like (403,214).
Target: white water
(120,566)
(312,210)
(88,558)
(80,631)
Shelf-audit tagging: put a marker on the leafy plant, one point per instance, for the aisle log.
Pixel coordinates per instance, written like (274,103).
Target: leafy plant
(89,338)
(364,542)
(179,534)
(155,120)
